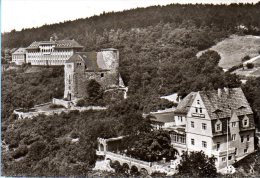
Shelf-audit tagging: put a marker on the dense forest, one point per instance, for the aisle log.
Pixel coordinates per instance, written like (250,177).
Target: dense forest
(158,47)
(156,44)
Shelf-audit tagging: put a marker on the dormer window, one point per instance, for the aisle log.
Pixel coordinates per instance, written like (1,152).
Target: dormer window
(245,123)
(218,126)
(102,75)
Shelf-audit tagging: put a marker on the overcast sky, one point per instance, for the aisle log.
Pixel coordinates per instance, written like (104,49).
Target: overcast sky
(18,14)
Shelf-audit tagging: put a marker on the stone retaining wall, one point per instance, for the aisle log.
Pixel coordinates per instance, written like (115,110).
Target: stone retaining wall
(66,104)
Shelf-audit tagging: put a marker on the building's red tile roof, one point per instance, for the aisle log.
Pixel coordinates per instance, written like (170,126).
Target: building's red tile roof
(221,106)
(58,44)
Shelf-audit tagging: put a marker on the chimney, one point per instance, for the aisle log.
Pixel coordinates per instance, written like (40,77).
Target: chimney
(219,92)
(51,39)
(226,90)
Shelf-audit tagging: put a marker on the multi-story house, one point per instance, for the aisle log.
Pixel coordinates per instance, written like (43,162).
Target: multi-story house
(19,56)
(51,52)
(218,122)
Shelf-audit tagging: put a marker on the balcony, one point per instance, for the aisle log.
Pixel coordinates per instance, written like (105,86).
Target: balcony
(223,152)
(179,145)
(198,115)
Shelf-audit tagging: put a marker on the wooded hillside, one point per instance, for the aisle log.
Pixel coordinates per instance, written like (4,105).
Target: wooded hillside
(157,44)
(158,47)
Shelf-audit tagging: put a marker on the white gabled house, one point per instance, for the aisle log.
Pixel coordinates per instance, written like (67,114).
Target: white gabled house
(201,122)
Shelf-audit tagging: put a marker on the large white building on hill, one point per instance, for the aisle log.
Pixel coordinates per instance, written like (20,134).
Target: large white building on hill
(51,52)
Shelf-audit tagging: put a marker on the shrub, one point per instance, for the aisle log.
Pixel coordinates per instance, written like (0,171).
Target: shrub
(74,112)
(197,164)
(14,144)
(232,69)
(37,150)
(20,152)
(246,58)
(250,65)
(94,90)
(81,103)
(74,135)
(53,106)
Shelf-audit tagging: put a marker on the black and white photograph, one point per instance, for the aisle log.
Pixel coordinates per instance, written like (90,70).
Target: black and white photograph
(130,88)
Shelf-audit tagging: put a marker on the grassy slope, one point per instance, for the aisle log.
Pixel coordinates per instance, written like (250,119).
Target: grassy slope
(234,48)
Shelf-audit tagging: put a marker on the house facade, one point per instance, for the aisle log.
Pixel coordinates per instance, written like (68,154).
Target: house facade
(218,122)
(51,52)
(81,67)
(19,56)
(223,125)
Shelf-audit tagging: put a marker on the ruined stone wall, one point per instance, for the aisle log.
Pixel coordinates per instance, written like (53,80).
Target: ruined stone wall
(106,79)
(111,77)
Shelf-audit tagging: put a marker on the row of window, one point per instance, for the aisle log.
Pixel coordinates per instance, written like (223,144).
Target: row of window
(203,125)
(47,50)
(224,158)
(51,61)
(219,125)
(19,60)
(180,118)
(198,110)
(233,137)
(230,157)
(178,138)
(204,143)
(18,56)
(49,56)
(245,123)
(58,51)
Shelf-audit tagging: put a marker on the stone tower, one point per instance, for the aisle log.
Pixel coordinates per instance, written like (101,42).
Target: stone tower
(83,66)
(74,77)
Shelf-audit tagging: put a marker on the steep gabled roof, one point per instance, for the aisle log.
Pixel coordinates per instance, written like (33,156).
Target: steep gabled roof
(20,51)
(162,117)
(13,50)
(91,59)
(219,104)
(58,44)
(183,106)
